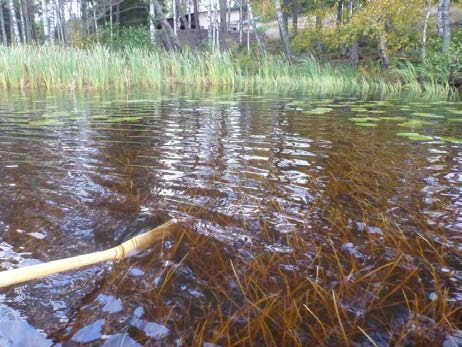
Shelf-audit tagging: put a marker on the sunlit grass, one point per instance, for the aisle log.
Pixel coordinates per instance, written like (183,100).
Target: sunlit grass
(53,67)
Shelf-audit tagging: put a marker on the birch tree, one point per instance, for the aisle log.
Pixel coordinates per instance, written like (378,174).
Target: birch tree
(261,47)
(443,23)
(282,31)
(175,43)
(152,23)
(424,30)
(15,37)
(2,25)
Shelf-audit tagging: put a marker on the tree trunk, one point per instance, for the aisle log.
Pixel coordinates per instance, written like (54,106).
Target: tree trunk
(152,23)
(354,48)
(339,18)
(182,15)
(248,32)
(83,16)
(216,25)
(295,14)
(285,14)
(383,50)
(22,22)
(209,19)
(29,20)
(196,15)
(223,21)
(241,21)
(261,47)
(15,38)
(282,31)
(424,31)
(319,32)
(175,17)
(443,23)
(169,32)
(228,20)
(117,15)
(2,26)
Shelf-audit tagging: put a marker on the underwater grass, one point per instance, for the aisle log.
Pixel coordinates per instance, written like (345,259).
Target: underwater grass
(54,67)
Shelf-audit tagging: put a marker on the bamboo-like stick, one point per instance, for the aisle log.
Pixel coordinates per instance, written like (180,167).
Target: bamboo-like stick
(130,247)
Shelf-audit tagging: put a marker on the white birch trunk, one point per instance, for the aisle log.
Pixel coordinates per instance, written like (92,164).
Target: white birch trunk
(282,30)
(15,38)
(209,18)
(424,31)
(175,25)
(241,19)
(443,23)
(22,23)
(261,47)
(152,24)
(248,32)
(217,26)
(2,26)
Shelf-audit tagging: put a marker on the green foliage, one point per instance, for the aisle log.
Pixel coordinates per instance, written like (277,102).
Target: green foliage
(122,38)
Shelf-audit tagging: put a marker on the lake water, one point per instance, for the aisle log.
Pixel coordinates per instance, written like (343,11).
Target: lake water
(81,173)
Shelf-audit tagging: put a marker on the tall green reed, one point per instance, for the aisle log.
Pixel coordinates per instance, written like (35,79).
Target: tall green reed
(54,67)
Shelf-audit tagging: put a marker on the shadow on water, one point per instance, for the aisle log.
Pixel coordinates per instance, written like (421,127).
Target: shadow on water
(306,218)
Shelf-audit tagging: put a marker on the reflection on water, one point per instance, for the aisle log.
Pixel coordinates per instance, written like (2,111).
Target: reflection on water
(82,173)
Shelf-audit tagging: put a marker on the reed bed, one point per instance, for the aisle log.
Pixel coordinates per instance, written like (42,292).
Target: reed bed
(54,67)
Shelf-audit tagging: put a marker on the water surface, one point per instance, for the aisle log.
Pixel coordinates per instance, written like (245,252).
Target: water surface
(81,173)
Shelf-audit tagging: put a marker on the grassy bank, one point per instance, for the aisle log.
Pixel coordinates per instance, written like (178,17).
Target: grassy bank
(71,68)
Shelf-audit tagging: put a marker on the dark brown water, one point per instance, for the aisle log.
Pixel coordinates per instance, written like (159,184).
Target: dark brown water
(81,173)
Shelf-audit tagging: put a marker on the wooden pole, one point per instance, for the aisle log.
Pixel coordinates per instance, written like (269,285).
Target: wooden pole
(130,247)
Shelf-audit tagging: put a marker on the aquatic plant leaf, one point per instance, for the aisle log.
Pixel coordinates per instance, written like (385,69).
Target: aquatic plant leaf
(393,118)
(46,122)
(359,109)
(318,110)
(57,114)
(453,110)
(416,136)
(123,119)
(426,115)
(455,120)
(414,123)
(452,139)
(363,119)
(100,116)
(366,124)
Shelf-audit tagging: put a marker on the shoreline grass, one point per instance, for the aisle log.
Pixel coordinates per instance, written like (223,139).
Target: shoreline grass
(54,68)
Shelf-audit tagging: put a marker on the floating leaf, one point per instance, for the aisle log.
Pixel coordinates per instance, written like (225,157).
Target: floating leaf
(359,109)
(363,119)
(455,120)
(366,124)
(426,115)
(453,110)
(57,114)
(124,119)
(414,123)
(393,118)
(452,139)
(46,122)
(100,116)
(416,136)
(318,110)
